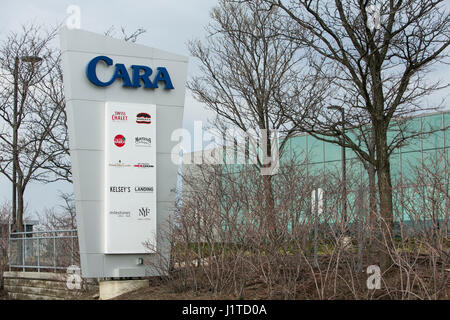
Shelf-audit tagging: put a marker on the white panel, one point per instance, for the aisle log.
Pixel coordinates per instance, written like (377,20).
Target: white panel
(172,118)
(92,265)
(130,193)
(88,170)
(90,224)
(90,133)
(86,41)
(166,176)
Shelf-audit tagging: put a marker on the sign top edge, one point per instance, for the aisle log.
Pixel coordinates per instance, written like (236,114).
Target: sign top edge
(91,42)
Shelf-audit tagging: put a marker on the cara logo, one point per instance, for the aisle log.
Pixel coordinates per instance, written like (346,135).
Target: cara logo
(140,75)
(119,140)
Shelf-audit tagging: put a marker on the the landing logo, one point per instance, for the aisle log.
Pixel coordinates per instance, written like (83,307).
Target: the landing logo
(143,189)
(119,116)
(143,118)
(143,141)
(119,140)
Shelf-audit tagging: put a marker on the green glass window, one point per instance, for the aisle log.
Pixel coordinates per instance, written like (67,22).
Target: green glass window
(412,128)
(315,148)
(432,137)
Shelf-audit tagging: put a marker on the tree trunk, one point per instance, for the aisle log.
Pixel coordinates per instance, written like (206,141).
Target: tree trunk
(271,221)
(385,193)
(372,197)
(373,212)
(20,207)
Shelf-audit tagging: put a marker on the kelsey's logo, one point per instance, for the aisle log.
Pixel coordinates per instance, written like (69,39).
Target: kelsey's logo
(143,118)
(140,189)
(143,141)
(140,75)
(119,164)
(119,116)
(144,212)
(119,140)
(143,165)
(120,189)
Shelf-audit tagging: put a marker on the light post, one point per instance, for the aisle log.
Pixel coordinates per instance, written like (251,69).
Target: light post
(344,180)
(29,59)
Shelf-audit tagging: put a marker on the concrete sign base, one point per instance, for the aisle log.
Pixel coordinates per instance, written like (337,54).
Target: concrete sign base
(111,289)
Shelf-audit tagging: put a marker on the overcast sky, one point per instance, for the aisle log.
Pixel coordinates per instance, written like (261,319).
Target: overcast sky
(170,24)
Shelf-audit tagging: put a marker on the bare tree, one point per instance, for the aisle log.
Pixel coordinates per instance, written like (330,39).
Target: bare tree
(377,73)
(248,79)
(61,218)
(26,61)
(131,37)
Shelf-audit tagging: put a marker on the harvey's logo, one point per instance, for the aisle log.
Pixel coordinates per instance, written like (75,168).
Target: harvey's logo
(143,118)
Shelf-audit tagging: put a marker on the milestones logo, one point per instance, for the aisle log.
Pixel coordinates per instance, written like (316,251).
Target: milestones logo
(143,118)
(143,142)
(119,140)
(119,116)
(120,214)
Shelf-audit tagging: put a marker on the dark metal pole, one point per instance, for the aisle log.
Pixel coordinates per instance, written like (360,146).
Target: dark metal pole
(18,223)
(14,153)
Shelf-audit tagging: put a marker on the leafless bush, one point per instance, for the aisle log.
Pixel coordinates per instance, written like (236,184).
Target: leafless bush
(220,243)
(59,219)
